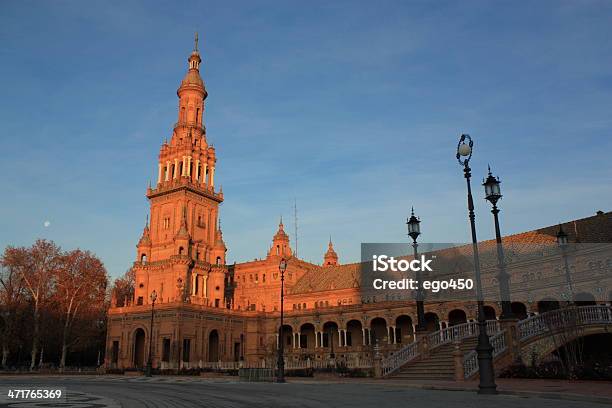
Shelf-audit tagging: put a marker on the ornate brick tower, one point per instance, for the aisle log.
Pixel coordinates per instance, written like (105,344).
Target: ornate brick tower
(181,255)
(331,257)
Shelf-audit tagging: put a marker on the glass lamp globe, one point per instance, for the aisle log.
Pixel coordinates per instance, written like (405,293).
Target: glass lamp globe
(464,149)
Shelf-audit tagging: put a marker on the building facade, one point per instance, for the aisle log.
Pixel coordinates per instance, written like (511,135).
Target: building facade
(207,311)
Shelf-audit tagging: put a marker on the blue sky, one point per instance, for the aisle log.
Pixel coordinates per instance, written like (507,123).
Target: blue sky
(352,108)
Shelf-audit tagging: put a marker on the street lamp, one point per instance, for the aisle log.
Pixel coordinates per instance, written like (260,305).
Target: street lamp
(483,348)
(563,243)
(282,266)
(414,230)
(493,194)
(149,362)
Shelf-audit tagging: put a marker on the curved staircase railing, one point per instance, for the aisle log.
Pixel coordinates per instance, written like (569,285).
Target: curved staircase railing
(434,339)
(560,318)
(470,360)
(540,324)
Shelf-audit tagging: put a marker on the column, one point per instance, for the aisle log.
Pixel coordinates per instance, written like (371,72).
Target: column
(193,283)
(204,172)
(363,335)
(339,338)
(293,339)
(167,171)
(197,170)
(159,173)
(184,172)
(189,166)
(414,333)
(204,287)
(316,339)
(389,338)
(175,168)
(212,176)
(344,331)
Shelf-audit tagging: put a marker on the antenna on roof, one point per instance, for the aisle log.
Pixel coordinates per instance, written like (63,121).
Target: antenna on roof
(295,224)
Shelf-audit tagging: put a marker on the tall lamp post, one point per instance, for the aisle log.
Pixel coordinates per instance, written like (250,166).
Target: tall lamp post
(149,361)
(282,266)
(493,194)
(563,243)
(483,348)
(414,230)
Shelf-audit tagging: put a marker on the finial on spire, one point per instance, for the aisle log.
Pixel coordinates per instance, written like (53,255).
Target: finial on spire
(413,210)
(147,220)
(280,224)
(196,42)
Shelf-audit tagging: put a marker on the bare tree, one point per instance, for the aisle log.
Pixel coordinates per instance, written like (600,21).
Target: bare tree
(36,266)
(12,300)
(81,281)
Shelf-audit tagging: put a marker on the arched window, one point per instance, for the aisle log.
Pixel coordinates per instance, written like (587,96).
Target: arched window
(278,250)
(143,258)
(183,114)
(181,250)
(198,115)
(218,260)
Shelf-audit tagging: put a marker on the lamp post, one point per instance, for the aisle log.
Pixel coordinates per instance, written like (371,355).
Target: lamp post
(282,266)
(149,361)
(493,194)
(483,348)
(563,243)
(414,230)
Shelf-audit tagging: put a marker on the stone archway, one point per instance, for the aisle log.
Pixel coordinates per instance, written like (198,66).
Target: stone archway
(403,329)
(139,348)
(354,331)
(519,310)
(456,316)
(330,336)
(432,321)
(584,299)
(379,331)
(213,346)
(489,312)
(307,336)
(548,304)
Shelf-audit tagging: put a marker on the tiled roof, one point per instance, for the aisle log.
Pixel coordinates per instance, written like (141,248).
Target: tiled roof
(595,229)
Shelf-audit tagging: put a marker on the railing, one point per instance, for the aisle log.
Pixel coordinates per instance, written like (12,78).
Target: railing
(470,360)
(399,358)
(223,365)
(460,332)
(435,339)
(562,318)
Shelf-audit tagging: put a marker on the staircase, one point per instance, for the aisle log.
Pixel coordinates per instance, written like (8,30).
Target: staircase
(438,366)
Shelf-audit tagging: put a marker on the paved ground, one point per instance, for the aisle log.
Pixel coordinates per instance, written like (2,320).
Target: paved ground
(159,392)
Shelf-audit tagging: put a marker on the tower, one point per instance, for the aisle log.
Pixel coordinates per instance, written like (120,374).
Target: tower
(280,243)
(183,245)
(331,257)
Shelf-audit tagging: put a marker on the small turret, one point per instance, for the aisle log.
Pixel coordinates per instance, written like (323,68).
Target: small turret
(144,244)
(280,243)
(331,257)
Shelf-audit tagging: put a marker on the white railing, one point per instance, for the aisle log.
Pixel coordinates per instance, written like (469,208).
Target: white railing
(460,332)
(399,358)
(222,365)
(470,360)
(562,318)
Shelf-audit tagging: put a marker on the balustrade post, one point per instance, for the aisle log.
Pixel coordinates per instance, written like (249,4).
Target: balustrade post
(458,361)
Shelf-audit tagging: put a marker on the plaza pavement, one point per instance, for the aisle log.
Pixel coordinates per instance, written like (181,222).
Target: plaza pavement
(176,392)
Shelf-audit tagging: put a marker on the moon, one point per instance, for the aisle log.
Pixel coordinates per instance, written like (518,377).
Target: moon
(47,224)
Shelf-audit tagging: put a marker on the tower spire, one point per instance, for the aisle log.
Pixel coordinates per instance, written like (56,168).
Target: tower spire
(195,48)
